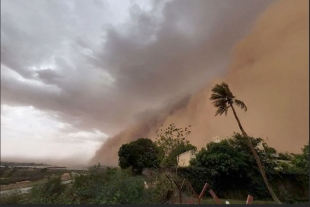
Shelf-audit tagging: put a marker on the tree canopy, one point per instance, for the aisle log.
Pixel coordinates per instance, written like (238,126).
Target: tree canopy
(232,157)
(223,98)
(139,154)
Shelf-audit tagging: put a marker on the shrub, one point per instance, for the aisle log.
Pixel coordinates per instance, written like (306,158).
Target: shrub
(14,198)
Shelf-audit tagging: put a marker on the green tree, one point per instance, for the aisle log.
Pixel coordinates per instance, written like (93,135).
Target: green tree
(223,99)
(172,142)
(221,159)
(301,161)
(232,157)
(139,154)
(230,165)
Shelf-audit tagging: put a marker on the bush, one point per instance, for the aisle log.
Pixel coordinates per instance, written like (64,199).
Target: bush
(158,193)
(197,176)
(14,198)
(224,187)
(47,193)
(289,187)
(111,186)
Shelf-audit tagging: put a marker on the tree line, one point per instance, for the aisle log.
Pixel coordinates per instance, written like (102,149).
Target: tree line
(238,155)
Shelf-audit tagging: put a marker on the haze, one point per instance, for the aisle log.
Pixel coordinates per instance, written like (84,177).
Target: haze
(80,78)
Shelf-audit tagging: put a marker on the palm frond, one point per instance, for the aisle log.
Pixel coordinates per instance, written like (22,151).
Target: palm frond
(221,110)
(241,104)
(225,85)
(216,96)
(221,91)
(227,91)
(219,103)
(218,89)
(222,98)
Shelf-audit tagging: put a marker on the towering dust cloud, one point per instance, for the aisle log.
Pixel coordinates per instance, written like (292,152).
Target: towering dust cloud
(269,71)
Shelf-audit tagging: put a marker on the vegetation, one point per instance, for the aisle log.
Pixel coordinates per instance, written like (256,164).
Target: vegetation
(138,154)
(223,99)
(171,143)
(108,186)
(301,161)
(228,167)
(231,182)
(234,168)
(221,158)
(18,174)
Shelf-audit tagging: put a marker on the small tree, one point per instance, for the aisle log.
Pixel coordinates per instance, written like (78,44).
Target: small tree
(172,142)
(139,154)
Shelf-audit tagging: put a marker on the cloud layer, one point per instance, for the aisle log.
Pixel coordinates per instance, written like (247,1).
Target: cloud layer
(104,66)
(269,71)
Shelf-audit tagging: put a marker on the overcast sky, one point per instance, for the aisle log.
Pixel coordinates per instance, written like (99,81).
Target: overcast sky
(75,72)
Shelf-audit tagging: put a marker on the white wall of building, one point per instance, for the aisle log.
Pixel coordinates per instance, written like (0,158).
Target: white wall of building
(184,158)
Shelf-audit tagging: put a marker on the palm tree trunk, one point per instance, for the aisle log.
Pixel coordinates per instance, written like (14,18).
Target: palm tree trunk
(260,166)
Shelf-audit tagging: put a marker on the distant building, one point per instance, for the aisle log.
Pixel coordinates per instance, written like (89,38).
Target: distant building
(184,158)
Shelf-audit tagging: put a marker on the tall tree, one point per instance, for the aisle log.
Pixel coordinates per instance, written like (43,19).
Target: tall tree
(223,99)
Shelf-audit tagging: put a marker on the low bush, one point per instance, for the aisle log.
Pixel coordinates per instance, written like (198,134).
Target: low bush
(111,186)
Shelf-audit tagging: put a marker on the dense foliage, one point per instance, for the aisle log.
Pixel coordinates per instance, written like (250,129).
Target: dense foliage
(233,157)
(230,167)
(139,154)
(291,188)
(301,161)
(230,163)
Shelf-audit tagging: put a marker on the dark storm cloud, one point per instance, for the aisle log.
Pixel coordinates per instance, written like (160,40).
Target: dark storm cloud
(100,74)
(48,76)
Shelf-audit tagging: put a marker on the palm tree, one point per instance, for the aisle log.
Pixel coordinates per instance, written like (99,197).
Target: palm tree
(223,99)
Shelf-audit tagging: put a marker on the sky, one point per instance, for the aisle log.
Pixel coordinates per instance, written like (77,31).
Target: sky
(74,73)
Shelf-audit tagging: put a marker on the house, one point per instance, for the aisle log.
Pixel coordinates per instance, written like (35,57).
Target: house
(184,158)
